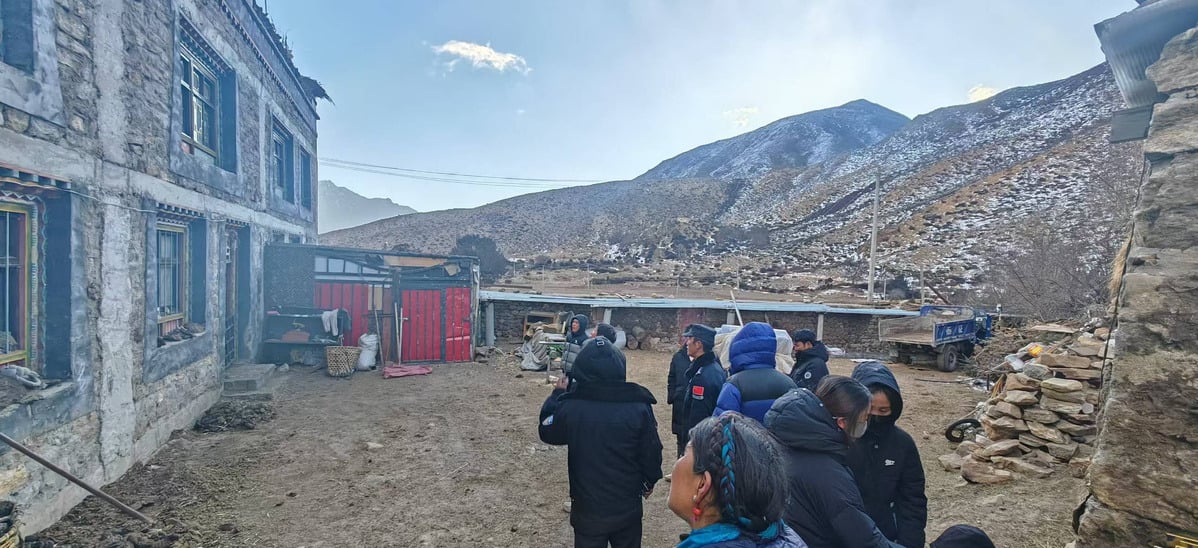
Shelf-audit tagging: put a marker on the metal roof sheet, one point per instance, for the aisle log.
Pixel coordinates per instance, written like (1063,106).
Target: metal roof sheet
(712,304)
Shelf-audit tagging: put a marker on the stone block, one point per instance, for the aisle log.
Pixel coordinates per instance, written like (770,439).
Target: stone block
(1037,371)
(1039,414)
(1004,428)
(980,472)
(1076,429)
(951,461)
(1071,397)
(967,448)
(1020,381)
(1176,69)
(1022,467)
(1020,398)
(1063,451)
(1079,374)
(1008,409)
(1032,441)
(1047,433)
(1058,406)
(1062,360)
(1062,385)
(1002,448)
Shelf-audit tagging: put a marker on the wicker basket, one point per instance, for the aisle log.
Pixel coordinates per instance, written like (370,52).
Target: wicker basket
(11,539)
(341,359)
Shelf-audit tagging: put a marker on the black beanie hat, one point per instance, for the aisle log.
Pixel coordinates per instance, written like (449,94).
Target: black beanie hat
(599,360)
(606,331)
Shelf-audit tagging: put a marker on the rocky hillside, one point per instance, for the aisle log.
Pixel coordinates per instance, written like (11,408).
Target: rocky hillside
(794,142)
(339,208)
(960,188)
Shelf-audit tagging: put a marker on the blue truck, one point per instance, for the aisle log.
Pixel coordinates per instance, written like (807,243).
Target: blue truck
(943,335)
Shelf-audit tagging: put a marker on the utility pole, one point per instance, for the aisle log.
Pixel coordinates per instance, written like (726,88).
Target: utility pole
(873,241)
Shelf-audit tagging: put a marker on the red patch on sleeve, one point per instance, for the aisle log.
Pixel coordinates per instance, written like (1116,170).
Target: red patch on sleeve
(697,392)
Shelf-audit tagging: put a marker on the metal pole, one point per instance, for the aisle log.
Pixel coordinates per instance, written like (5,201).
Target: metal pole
(104,496)
(873,242)
(739,320)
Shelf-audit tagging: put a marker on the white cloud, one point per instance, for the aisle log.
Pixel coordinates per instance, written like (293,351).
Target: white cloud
(520,112)
(740,116)
(981,93)
(481,56)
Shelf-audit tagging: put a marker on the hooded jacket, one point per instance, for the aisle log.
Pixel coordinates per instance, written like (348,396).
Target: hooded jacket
(825,508)
(608,425)
(704,381)
(574,342)
(754,383)
(811,366)
(886,464)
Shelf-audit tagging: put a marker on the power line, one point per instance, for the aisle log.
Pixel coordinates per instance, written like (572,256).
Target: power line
(451,174)
(534,186)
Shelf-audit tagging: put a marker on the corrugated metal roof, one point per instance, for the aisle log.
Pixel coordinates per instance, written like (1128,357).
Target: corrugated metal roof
(711,304)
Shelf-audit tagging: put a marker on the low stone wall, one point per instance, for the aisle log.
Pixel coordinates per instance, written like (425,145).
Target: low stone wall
(856,334)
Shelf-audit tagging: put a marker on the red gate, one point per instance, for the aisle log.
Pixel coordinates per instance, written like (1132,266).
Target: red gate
(437,326)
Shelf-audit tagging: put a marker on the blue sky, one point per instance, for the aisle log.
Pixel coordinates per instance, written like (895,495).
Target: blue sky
(590,89)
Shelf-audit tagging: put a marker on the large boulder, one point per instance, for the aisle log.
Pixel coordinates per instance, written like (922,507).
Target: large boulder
(975,471)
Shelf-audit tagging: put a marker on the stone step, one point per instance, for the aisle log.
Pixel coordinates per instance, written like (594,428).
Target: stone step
(242,379)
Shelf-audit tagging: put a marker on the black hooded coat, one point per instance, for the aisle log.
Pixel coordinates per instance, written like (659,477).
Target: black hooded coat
(825,507)
(811,366)
(609,427)
(885,462)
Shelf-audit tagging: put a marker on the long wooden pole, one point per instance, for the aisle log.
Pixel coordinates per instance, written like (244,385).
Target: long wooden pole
(105,496)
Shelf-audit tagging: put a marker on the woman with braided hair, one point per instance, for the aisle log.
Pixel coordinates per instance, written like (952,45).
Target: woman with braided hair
(726,486)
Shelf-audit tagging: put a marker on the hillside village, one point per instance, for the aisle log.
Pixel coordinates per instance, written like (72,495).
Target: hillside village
(207,341)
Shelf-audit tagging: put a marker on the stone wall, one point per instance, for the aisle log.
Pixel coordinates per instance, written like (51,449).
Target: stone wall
(101,111)
(1144,476)
(856,334)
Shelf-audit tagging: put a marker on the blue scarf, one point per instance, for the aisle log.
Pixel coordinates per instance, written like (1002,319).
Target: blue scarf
(722,532)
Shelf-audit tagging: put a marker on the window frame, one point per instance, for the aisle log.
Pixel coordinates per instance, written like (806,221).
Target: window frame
(197,67)
(26,307)
(182,274)
(305,193)
(284,174)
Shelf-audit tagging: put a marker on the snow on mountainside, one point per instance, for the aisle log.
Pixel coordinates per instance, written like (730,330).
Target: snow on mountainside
(956,186)
(797,141)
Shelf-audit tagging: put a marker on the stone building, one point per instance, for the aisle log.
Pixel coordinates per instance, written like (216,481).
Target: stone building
(149,149)
(1144,476)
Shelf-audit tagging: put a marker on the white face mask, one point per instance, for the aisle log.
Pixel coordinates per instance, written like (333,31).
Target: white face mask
(858,429)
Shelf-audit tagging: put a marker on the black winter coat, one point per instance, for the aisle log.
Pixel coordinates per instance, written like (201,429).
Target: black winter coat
(887,467)
(825,506)
(614,451)
(704,379)
(811,366)
(676,387)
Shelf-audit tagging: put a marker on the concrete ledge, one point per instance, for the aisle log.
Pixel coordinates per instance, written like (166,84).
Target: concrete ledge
(164,360)
(43,411)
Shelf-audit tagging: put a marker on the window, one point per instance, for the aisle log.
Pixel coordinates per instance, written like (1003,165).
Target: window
(280,161)
(207,103)
(15,286)
(305,179)
(16,34)
(172,275)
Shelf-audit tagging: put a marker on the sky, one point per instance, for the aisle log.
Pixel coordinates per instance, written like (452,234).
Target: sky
(600,90)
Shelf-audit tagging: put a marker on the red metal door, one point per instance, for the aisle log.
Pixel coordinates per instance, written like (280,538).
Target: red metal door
(422,334)
(457,324)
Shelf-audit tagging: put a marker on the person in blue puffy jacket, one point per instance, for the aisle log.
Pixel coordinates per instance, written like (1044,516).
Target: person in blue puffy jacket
(755,382)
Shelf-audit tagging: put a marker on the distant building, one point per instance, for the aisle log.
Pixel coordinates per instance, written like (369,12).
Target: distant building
(149,150)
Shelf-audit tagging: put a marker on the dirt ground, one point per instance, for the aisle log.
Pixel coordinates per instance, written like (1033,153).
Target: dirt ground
(454,460)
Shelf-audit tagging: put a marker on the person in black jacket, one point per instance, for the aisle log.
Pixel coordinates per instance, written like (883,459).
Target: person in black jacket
(962,536)
(704,378)
(815,431)
(811,360)
(676,384)
(614,451)
(885,462)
